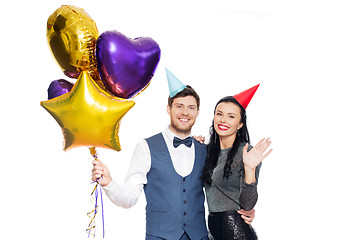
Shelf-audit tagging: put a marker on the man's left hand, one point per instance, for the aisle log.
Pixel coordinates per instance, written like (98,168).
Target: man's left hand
(248,216)
(200,139)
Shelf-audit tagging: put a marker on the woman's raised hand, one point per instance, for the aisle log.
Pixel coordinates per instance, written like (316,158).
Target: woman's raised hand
(255,156)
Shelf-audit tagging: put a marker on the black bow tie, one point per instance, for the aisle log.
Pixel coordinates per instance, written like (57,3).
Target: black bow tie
(187,142)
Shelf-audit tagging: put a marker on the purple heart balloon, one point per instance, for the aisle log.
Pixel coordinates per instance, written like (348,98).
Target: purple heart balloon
(58,88)
(126,65)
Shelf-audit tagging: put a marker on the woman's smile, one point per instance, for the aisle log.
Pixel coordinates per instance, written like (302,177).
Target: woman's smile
(223,127)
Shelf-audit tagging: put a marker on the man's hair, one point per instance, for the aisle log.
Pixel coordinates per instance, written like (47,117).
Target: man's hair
(187,91)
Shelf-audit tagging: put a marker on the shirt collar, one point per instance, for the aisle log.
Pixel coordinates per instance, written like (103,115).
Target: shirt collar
(171,135)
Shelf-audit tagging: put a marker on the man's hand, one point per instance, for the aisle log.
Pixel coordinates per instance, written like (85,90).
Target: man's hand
(248,216)
(101,172)
(200,139)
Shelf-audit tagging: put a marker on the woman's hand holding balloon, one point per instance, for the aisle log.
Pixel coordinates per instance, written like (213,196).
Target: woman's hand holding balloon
(101,172)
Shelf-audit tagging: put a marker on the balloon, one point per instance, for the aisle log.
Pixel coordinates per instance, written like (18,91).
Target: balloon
(126,66)
(72,35)
(87,115)
(58,88)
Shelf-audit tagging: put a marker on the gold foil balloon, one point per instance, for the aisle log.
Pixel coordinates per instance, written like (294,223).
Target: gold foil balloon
(88,115)
(72,35)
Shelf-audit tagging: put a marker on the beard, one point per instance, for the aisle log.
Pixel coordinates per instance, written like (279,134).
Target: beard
(186,129)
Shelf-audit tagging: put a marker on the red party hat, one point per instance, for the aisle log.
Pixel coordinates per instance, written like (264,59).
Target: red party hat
(245,97)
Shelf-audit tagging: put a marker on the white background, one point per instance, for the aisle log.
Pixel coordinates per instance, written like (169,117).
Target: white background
(300,52)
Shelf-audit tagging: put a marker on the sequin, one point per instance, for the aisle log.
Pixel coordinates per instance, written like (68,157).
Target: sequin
(229,226)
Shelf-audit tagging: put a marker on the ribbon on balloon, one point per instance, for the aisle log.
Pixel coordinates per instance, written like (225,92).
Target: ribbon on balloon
(95,199)
(89,111)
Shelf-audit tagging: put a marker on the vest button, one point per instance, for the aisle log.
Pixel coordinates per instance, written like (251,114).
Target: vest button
(184,213)
(184,201)
(184,190)
(183,179)
(184,224)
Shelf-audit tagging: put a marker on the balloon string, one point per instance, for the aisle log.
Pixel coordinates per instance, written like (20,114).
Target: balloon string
(95,195)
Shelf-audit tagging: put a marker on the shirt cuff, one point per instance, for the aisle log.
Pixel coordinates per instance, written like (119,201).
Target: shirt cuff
(110,186)
(251,185)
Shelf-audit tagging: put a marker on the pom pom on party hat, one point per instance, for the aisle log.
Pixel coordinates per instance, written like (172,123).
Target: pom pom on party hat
(174,84)
(245,97)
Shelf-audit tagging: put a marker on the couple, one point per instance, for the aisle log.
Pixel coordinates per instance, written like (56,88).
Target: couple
(172,168)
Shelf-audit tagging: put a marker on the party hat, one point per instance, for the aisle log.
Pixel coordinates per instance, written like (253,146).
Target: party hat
(245,97)
(175,86)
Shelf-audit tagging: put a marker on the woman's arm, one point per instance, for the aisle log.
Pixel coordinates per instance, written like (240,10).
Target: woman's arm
(249,195)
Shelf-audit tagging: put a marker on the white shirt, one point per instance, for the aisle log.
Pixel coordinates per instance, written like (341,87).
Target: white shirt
(127,195)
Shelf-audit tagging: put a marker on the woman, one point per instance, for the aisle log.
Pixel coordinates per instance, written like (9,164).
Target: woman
(231,171)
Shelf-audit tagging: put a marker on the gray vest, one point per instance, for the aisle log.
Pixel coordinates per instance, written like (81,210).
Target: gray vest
(174,203)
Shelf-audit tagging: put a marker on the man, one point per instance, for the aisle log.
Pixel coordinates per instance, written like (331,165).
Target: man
(168,166)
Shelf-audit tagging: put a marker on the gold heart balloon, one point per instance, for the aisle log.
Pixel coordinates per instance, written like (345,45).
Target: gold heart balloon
(72,35)
(87,115)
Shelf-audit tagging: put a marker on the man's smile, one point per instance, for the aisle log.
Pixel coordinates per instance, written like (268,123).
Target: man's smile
(185,120)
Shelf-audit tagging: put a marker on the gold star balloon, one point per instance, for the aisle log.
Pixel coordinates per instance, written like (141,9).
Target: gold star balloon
(87,115)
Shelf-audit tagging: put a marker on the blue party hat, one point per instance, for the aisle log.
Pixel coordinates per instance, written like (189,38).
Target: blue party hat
(175,86)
